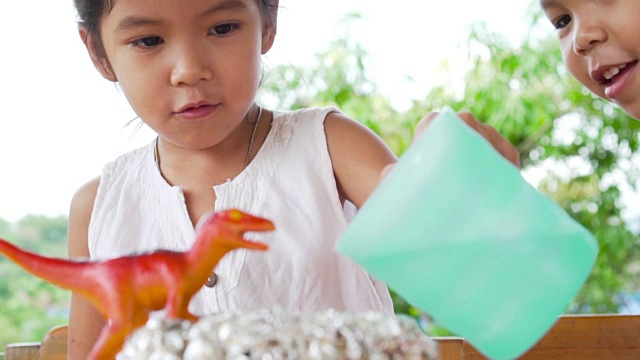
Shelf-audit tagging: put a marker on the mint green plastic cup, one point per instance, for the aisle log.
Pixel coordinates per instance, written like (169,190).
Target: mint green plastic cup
(457,231)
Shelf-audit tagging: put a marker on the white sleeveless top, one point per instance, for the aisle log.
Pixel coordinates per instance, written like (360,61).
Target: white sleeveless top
(291,182)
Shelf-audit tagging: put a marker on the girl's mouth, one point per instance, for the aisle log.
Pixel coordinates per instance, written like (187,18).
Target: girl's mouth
(616,79)
(610,74)
(196,112)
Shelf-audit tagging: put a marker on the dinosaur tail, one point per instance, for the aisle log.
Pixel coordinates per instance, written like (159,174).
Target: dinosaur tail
(60,272)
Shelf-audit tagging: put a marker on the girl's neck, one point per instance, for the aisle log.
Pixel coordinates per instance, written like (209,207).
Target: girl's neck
(214,165)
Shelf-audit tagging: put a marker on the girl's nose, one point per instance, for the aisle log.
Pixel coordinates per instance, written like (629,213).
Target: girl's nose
(190,67)
(587,34)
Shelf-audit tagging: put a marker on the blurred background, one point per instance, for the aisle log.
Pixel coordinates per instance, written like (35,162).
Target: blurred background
(385,64)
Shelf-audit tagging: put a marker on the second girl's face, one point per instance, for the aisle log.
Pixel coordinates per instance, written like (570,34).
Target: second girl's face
(600,43)
(189,68)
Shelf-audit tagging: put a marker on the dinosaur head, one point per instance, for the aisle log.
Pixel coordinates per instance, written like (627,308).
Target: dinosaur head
(228,227)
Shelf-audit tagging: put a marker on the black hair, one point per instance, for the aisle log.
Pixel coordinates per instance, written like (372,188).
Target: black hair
(89,14)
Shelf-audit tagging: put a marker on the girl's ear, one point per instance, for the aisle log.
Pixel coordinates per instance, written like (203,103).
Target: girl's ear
(98,58)
(270,27)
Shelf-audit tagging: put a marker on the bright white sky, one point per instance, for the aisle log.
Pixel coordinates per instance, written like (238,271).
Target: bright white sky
(61,122)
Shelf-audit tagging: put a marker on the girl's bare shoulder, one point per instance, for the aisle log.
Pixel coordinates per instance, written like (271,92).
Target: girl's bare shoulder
(84,197)
(358,156)
(80,216)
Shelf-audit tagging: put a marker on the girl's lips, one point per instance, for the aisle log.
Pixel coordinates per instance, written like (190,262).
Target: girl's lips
(616,86)
(196,112)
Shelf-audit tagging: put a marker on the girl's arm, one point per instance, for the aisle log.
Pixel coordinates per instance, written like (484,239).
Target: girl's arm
(360,158)
(85,323)
(502,145)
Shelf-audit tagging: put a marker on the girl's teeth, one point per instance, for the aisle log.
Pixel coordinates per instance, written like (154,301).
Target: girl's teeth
(613,71)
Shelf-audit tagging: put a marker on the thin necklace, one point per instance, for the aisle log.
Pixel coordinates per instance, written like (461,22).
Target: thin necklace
(253,135)
(156,156)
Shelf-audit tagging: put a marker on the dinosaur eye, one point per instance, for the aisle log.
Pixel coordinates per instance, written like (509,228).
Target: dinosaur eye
(235,215)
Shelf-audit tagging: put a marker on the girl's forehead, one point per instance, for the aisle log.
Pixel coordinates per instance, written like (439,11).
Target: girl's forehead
(545,4)
(159,5)
(111,3)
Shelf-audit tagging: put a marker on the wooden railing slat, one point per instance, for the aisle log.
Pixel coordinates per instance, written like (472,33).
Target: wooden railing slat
(22,351)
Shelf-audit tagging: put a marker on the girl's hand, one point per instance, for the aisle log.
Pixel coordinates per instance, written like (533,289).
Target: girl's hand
(502,145)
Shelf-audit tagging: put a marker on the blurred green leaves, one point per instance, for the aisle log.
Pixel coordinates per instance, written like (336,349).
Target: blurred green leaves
(31,306)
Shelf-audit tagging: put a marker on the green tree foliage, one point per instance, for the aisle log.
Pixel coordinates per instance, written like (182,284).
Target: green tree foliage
(31,306)
(339,79)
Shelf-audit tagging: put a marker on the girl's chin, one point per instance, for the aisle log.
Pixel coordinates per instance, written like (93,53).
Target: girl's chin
(632,109)
(635,114)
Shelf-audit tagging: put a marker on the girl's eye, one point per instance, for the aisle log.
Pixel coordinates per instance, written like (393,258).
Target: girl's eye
(147,42)
(562,22)
(224,29)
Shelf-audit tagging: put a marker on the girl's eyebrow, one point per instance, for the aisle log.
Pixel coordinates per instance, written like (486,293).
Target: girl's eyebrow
(225,5)
(132,22)
(545,4)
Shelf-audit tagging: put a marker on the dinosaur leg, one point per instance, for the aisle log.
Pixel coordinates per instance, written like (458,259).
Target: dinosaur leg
(189,316)
(125,317)
(110,341)
(178,307)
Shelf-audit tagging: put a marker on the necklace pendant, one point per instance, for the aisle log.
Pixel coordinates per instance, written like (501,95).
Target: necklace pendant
(212,280)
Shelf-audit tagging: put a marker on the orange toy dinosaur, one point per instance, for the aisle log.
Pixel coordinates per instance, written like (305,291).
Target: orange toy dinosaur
(126,289)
